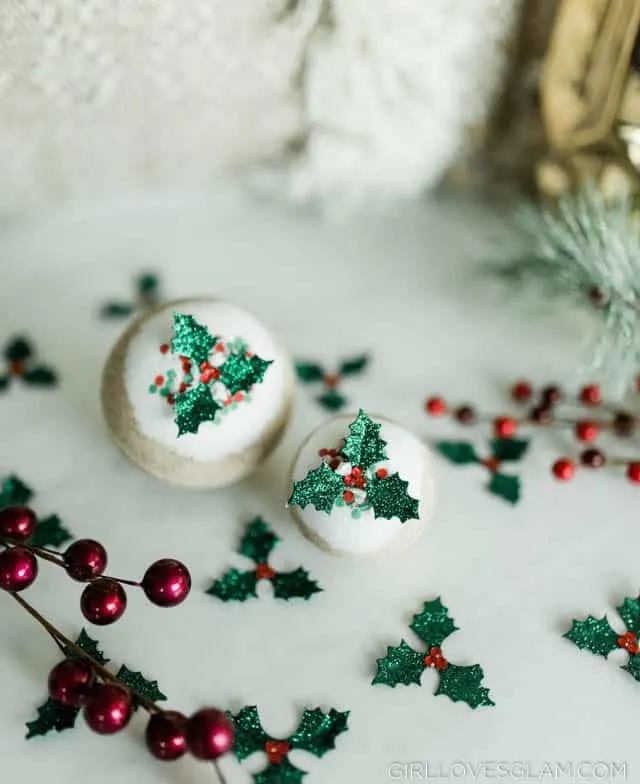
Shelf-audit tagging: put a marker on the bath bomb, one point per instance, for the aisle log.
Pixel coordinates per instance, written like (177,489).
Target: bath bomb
(197,392)
(362,485)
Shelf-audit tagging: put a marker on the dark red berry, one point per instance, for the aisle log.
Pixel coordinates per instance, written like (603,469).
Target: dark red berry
(435,406)
(465,415)
(592,458)
(564,469)
(166,582)
(586,431)
(108,708)
(505,427)
(70,682)
(18,522)
(521,391)
(18,569)
(551,395)
(210,734)
(103,601)
(166,735)
(85,560)
(542,415)
(590,395)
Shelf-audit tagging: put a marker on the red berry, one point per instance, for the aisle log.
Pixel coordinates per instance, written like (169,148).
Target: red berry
(166,735)
(276,751)
(590,395)
(551,395)
(323,452)
(264,572)
(103,601)
(108,708)
(85,560)
(210,734)
(521,391)
(505,427)
(587,431)
(166,582)
(164,348)
(18,569)
(382,473)
(334,463)
(564,469)
(70,682)
(158,381)
(633,472)
(592,458)
(18,522)
(465,415)
(331,380)
(435,406)
(348,497)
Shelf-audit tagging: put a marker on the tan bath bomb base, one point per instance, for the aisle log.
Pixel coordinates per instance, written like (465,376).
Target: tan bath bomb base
(140,388)
(354,526)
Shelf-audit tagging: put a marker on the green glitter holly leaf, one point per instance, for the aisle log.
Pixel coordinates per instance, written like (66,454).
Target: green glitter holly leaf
(234,586)
(52,716)
(294,585)
(281,773)
(249,735)
(363,446)
(509,449)
(629,611)
(4,382)
(258,541)
(194,407)
(40,376)
(317,731)
(320,488)
(354,366)
(309,372)
(458,452)
(116,309)
(332,400)
(505,486)
(633,666)
(464,684)
(433,624)
(594,635)
(18,349)
(50,532)
(139,684)
(90,646)
(389,498)
(239,373)
(14,492)
(400,665)
(191,339)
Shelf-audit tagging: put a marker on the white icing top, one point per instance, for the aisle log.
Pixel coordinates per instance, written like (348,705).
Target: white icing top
(237,429)
(366,534)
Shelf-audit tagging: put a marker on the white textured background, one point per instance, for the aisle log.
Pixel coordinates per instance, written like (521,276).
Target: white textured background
(513,578)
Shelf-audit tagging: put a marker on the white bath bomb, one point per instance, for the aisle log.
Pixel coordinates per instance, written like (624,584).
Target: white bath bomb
(223,423)
(362,485)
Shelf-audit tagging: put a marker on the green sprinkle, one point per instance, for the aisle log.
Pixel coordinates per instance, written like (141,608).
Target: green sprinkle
(153,388)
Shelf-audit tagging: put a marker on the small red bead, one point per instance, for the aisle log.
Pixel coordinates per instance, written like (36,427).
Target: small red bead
(18,569)
(70,682)
(592,458)
(586,431)
(210,734)
(18,522)
(590,395)
(551,395)
(629,641)
(382,473)
(238,397)
(348,497)
(171,399)
(491,464)
(158,381)
(348,480)
(264,572)
(466,415)
(435,406)
(334,463)
(166,582)
(166,735)
(505,427)
(182,388)
(323,452)
(564,469)
(219,347)
(85,560)
(164,348)
(521,391)
(276,751)
(108,708)
(633,472)
(103,601)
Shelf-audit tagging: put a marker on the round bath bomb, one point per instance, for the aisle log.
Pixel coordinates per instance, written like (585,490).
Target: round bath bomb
(362,485)
(197,392)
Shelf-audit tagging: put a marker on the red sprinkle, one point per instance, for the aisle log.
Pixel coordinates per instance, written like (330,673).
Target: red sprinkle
(348,497)
(158,381)
(164,348)
(382,473)
(276,751)
(629,642)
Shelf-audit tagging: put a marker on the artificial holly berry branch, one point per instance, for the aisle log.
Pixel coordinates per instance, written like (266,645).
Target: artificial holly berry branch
(81,681)
(405,665)
(257,544)
(331,380)
(214,376)
(47,531)
(351,476)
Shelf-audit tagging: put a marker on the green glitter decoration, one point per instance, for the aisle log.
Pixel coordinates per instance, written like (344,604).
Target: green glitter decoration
(194,407)
(314,373)
(257,544)
(316,734)
(21,364)
(596,635)
(139,684)
(404,665)
(147,294)
(191,339)
(502,450)
(14,492)
(50,532)
(240,373)
(387,494)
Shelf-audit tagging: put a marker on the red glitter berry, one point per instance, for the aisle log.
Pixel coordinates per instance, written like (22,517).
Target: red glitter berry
(586,431)
(435,406)
(521,391)
(564,469)
(590,395)
(382,473)
(264,572)
(629,641)
(633,472)
(348,497)
(276,751)
(505,427)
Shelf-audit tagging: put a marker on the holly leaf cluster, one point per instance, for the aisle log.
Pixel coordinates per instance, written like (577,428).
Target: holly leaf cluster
(50,531)
(502,450)
(386,494)
(257,543)
(598,637)
(403,664)
(146,295)
(313,373)
(21,363)
(316,734)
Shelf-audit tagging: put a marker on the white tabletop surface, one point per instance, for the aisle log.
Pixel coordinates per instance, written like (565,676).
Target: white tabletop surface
(402,287)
